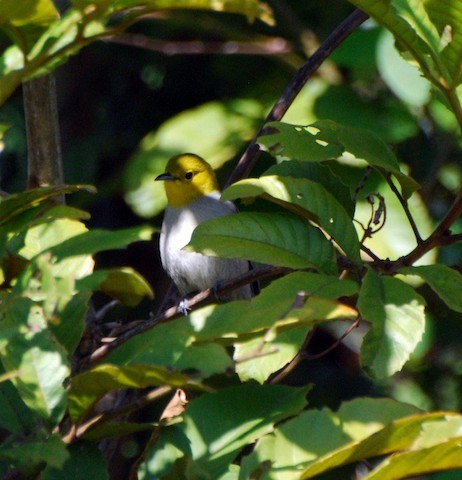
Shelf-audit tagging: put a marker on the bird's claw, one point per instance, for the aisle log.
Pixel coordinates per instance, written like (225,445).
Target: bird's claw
(183,307)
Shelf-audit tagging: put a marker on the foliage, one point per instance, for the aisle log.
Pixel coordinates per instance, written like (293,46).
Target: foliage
(317,216)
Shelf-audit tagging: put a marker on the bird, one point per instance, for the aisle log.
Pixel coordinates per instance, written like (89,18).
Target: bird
(193,196)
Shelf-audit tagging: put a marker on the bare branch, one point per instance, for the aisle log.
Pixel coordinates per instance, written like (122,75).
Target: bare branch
(279,109)
(441,236)
(270,46)
(43,138)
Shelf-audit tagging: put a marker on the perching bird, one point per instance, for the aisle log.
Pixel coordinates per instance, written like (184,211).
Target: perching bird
(193,197)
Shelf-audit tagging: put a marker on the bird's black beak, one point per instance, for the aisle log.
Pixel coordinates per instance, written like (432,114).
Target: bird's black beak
(165,176)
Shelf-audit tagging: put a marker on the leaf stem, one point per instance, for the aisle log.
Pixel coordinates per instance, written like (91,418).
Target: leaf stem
(405,206)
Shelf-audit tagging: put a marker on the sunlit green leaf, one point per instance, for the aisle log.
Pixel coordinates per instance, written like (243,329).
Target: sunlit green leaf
(171,345)
(48,236)
(27,346)
(409,24)
(218,425)
(307,198)
(397,316)
(319,173)
(275,239)
(26,20)
(88,387)
(277,343)
(93,241)
(446,15)
(307,442)
(16,204)
(325,140)
(445,281)
(403,78)
(124,284)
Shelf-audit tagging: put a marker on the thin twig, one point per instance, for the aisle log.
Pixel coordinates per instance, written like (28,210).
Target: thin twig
(138,404)
(440,236)
(303,355)
(270,46)
(290,367)
(405,206)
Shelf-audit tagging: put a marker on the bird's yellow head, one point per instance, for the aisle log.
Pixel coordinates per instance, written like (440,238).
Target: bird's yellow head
(187,178)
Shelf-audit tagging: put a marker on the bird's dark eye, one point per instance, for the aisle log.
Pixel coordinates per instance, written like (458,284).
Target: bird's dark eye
(188,175)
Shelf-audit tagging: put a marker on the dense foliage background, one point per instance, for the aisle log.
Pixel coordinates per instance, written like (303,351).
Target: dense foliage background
(203,81)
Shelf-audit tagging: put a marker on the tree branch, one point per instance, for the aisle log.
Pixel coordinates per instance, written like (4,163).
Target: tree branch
(195,301)
(45,166)
(279,109)
(405,206)
(441,236)
(270,46)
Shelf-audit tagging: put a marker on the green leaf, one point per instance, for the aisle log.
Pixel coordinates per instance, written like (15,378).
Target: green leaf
(409,24)
(68,323)
(228,126)
(298,143)
(402,434)
(27,346)
(171,345)
(319,173)
(404,79)
(16,204)
(275,239)
(325,140)
(443,280)
(258,358)
(274,309)
(45,237)
(124,284)
(281,327)
(27,12)
(197,342)
(252,9)
(442,457)
(15,417)
(87,388)
(307,442)
(84,461)
(26,20)
(93,241)
(445,14)
(34,452)
(216,426)
(303,196)
(397,316)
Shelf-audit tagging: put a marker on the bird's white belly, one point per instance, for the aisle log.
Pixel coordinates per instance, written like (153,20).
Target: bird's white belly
(189,270)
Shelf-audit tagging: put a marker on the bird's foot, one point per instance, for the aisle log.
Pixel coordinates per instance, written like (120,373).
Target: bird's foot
(214,290)
(183,306)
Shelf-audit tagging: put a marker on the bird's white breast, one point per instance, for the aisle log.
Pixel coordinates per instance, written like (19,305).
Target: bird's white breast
(193,271)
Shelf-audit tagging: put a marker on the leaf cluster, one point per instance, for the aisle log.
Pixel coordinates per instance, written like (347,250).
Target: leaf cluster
(218,375)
